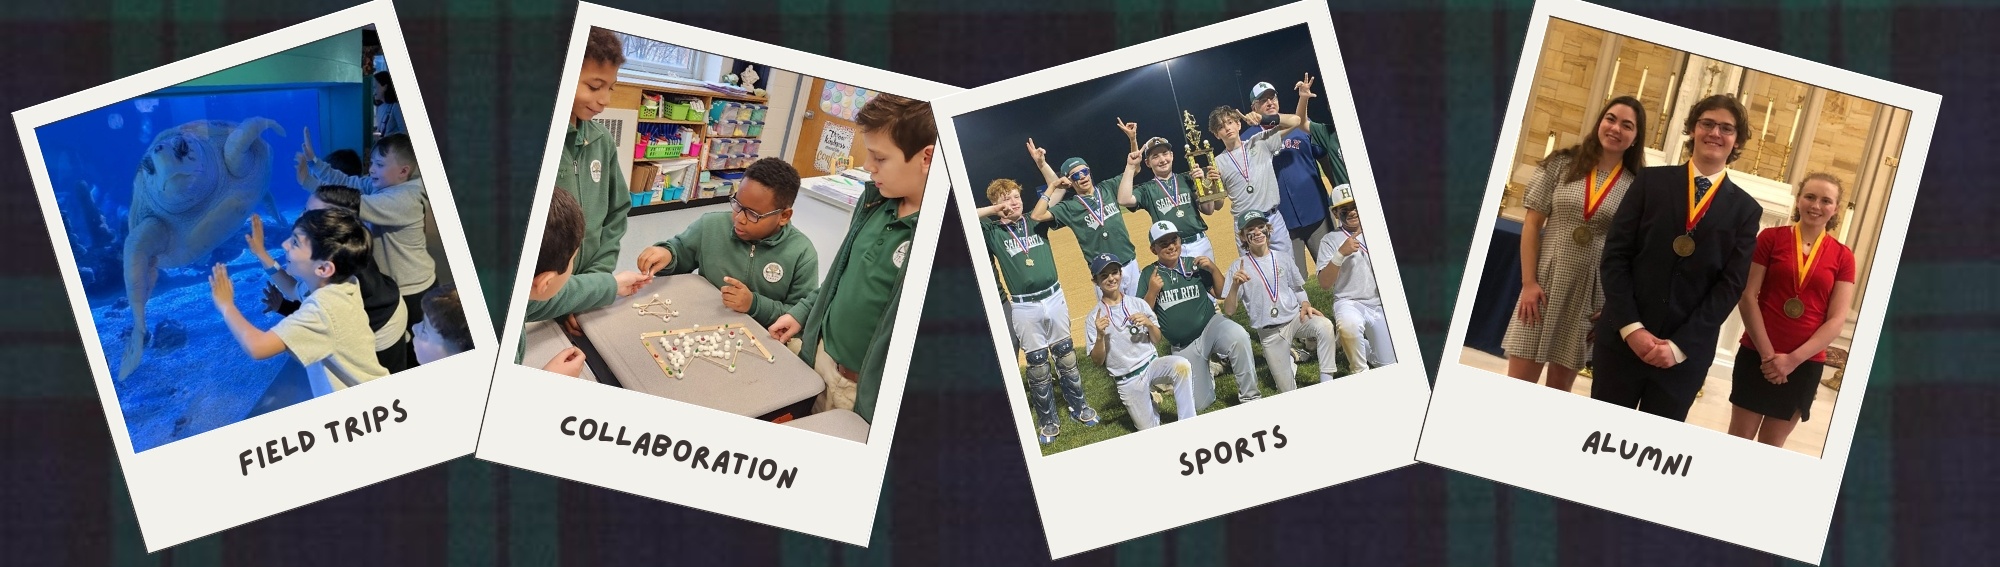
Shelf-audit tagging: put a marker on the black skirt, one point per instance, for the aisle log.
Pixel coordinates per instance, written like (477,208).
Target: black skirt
(1749,389)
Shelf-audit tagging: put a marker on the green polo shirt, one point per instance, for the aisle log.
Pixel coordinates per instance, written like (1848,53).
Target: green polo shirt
(880,250)
(779,270)
(1183,307)
(1097,222)
(1016,245)
(590,170)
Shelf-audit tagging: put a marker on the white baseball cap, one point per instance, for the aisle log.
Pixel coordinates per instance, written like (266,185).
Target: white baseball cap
(1257,91)
(1164,229)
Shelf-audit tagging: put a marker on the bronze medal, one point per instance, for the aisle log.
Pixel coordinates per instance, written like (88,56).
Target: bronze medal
(1795,308)
(1582,236)
(1684,245)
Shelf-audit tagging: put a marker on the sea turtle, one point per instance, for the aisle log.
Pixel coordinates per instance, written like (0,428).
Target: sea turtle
(195,186)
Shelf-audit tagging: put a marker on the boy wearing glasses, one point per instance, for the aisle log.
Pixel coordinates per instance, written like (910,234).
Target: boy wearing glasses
(1676,261)
(1096,218)
(763,265)
(1274,293)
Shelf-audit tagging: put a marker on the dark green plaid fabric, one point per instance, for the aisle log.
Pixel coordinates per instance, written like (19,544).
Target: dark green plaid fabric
(1430,79)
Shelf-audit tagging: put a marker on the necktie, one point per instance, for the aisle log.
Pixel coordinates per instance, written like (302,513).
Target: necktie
(1701,185)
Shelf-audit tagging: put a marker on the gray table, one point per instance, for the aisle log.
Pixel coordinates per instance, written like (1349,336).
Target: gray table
(755,389)
(837,422)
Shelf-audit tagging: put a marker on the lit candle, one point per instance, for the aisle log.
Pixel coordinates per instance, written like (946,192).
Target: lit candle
(1768,103)
(1551,147)
(1615,63)
(1642,81)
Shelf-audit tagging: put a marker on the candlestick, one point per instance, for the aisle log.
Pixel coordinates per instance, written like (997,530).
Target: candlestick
(1768,103)
(1642,81)
(1614,71)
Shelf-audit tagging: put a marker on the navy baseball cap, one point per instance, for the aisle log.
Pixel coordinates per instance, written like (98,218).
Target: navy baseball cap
(1102,262)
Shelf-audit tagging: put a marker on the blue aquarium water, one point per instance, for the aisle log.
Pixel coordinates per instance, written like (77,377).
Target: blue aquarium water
(192,376)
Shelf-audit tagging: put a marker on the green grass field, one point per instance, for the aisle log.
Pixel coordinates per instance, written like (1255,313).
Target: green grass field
(1102,393)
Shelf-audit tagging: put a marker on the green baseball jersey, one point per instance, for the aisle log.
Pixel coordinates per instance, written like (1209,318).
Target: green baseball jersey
(1183,306)
(1025,261)
(1098,224)
(1172,200)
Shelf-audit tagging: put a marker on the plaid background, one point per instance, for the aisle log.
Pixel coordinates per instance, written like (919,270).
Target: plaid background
(1430,80)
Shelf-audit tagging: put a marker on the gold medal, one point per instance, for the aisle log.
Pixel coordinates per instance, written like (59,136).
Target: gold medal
(1684,245)
(1031,261)
(1182,214)
(1274,312)
(1593,197)
(1795,308)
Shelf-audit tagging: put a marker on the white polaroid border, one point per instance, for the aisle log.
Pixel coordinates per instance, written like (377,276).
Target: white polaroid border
(1354,427)
(1518,433)
(837,482)
(193,487)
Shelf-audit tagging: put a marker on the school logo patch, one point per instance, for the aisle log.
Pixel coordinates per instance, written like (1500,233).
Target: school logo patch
(596,171)
(773,272)
(902,253)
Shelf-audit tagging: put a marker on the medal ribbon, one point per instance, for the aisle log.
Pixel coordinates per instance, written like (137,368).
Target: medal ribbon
(1269,286)
(1019,239)
(1096,213)
(1700,209)
(1124,317)
(1243,164)
(1357,240)
(1594,196)
(1171,197)
(1805,261)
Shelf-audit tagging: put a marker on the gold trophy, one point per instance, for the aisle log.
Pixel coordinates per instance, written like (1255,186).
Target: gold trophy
(1205,190)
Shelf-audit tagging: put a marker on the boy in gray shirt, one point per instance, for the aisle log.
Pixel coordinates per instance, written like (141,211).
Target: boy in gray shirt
(1276,298)
(393,204)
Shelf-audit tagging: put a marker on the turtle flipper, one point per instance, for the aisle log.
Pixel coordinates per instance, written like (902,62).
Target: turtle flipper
(142,269)
(237,155)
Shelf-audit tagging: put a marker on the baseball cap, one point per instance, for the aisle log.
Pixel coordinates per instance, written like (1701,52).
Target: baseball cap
(1070,164)
(1164,229)
(1147,149)
(1249,218)
(1102,262)
(1257,91)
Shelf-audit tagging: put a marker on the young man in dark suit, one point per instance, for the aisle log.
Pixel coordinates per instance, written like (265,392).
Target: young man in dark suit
(1675,263)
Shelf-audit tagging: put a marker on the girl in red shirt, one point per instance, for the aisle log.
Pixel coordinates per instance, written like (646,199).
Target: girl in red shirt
(1801,283)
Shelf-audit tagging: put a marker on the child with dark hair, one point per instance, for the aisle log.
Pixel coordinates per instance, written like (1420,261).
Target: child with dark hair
(753,242)
(387,315)
(844,324)
(444,331)
(562,238)
(388,109)
(329,332)
(590,171)
(348,162)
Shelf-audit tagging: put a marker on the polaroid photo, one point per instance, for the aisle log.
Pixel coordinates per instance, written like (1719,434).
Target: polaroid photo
(1166,234)
(719,292)
(1690,227)
(243,236)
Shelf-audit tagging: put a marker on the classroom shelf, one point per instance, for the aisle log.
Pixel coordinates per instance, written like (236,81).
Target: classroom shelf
(677,205)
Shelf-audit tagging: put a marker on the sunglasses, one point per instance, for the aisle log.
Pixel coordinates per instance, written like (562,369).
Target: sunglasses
(1080,173)
(738,208)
